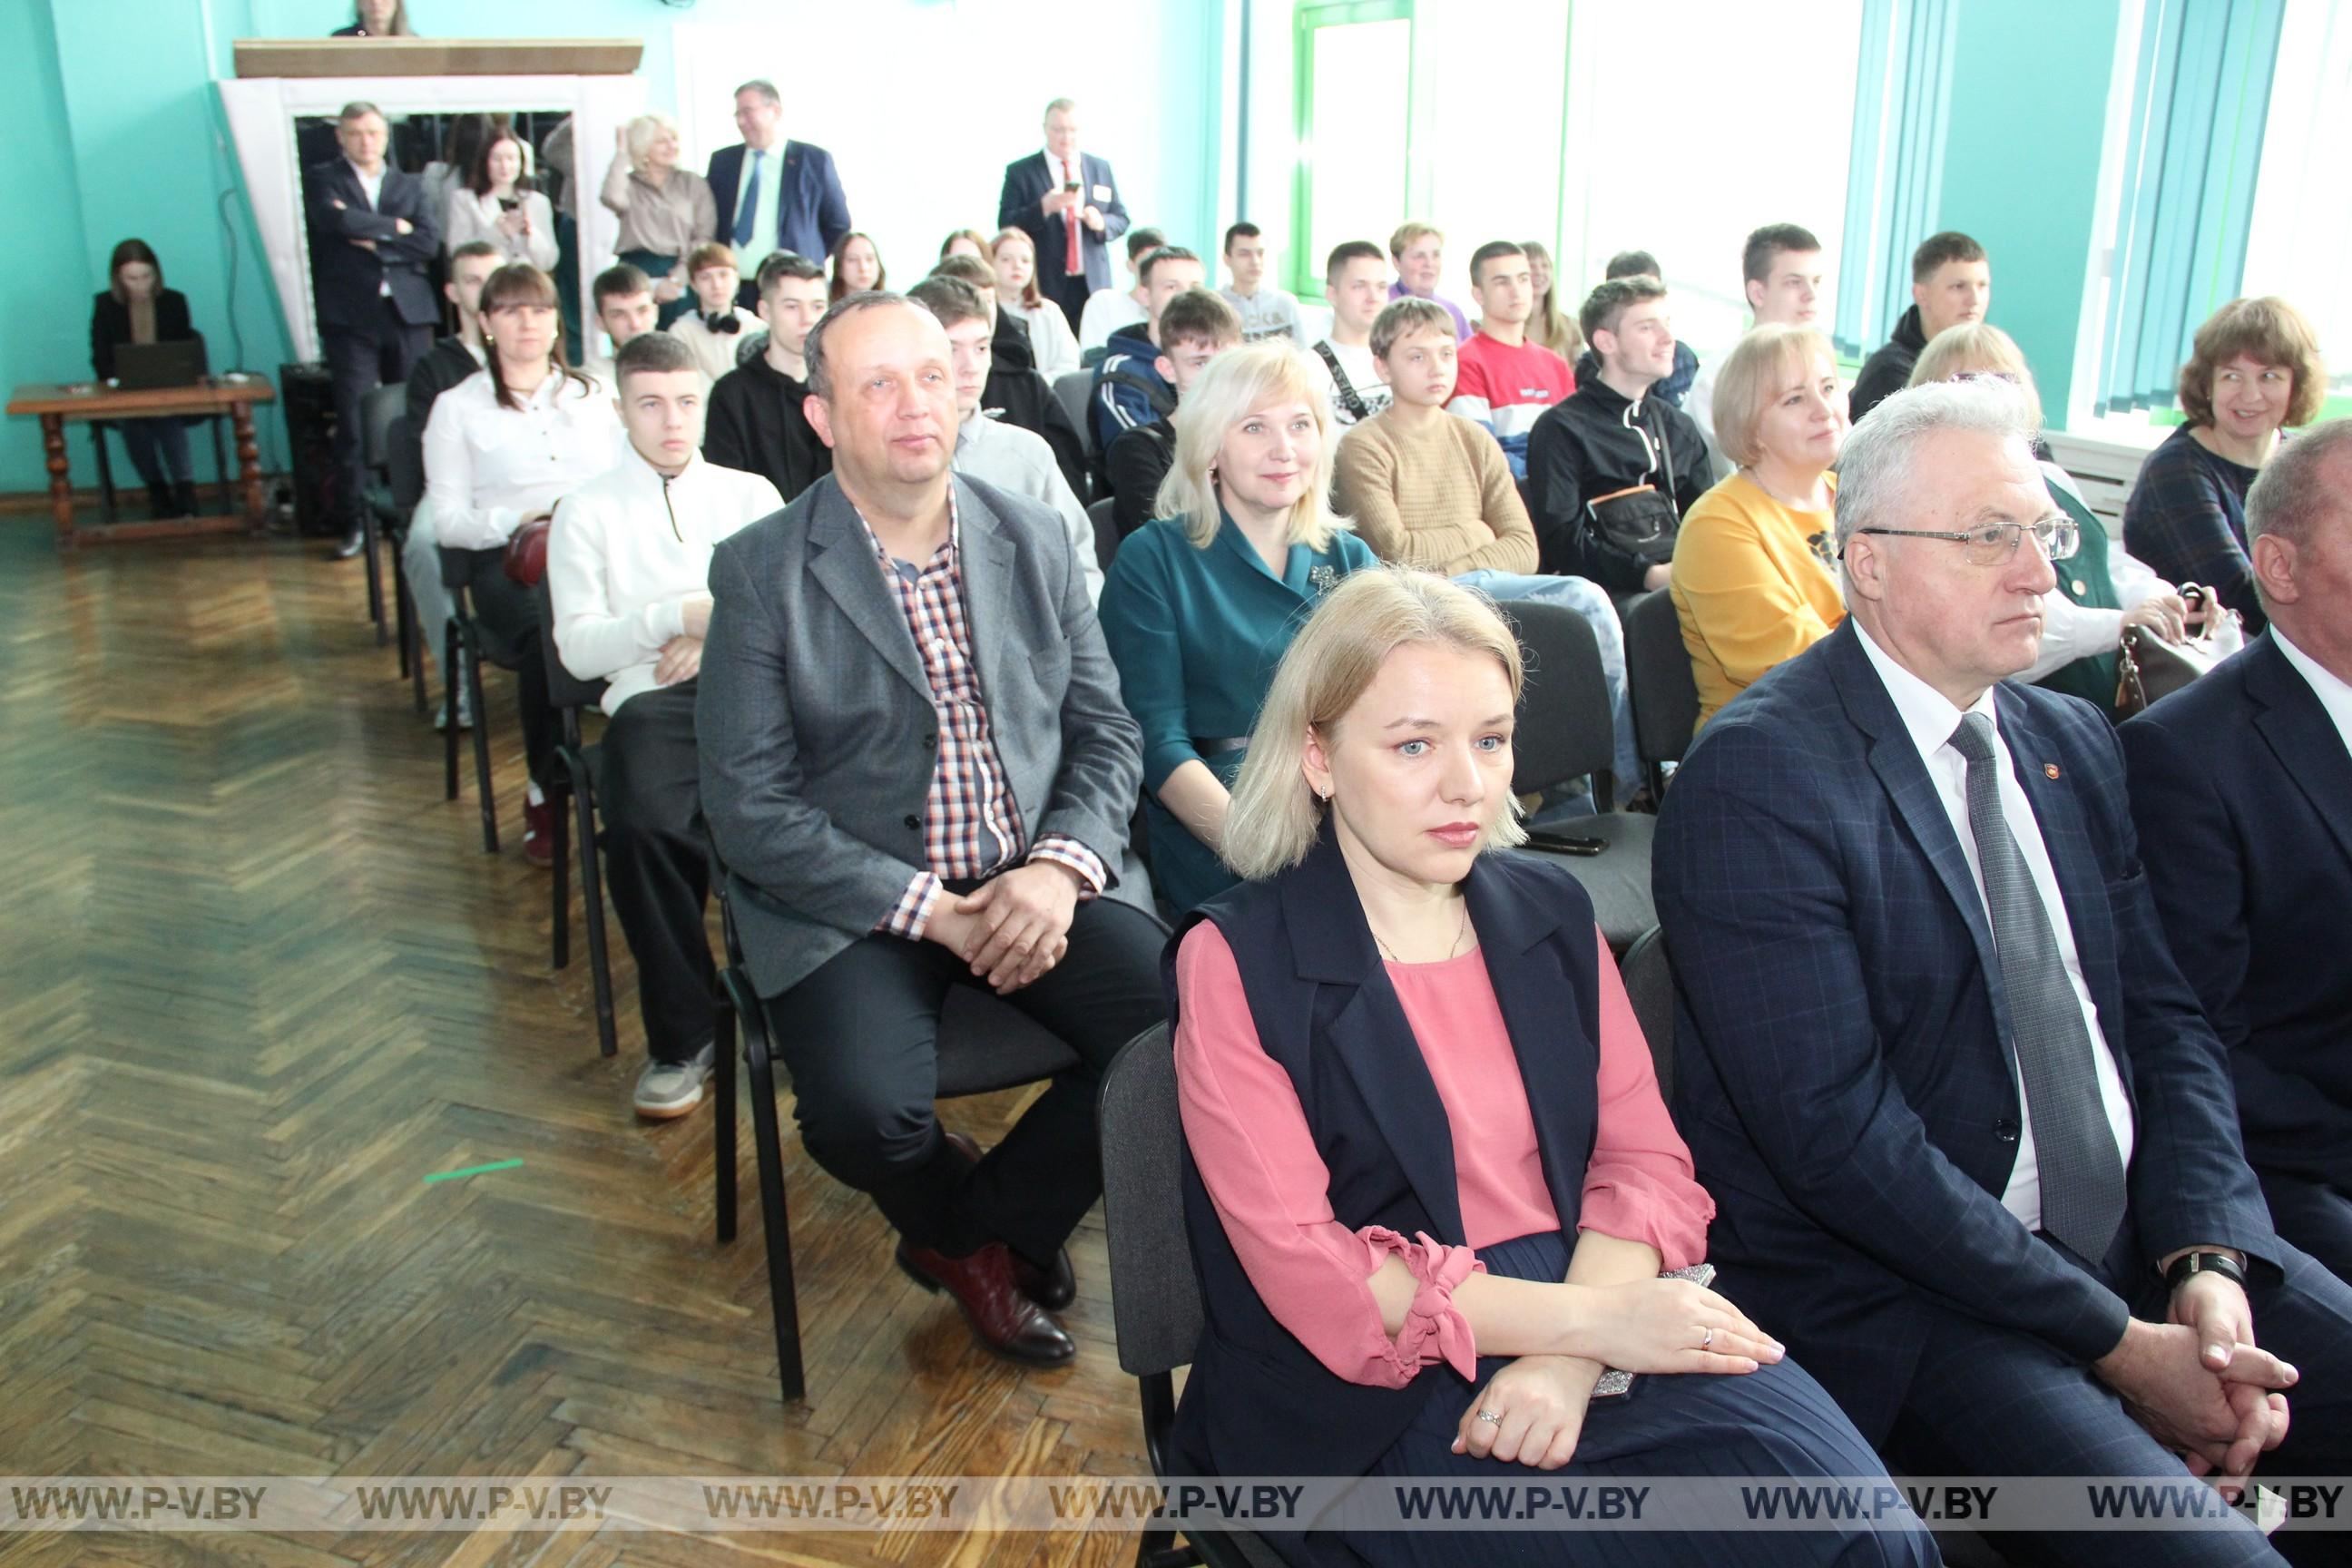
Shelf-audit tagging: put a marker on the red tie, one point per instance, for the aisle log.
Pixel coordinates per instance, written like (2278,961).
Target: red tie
(1070,262)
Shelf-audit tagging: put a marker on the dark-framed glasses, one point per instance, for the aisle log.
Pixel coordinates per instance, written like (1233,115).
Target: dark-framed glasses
(1994,544)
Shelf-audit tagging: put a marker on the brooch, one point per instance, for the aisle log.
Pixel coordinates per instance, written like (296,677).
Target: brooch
(1322,579)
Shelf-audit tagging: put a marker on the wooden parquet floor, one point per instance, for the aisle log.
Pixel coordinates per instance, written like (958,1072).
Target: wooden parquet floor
(256,980)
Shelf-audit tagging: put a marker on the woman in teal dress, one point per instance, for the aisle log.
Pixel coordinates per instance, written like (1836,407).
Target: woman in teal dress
(1200,604)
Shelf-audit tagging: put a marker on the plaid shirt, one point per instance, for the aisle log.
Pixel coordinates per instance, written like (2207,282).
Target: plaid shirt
(972,825)
(2187,519)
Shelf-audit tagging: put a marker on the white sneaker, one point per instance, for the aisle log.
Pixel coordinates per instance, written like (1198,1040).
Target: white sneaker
(667,1089)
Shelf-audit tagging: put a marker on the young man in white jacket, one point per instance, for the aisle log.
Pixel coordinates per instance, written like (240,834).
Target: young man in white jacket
(628,562)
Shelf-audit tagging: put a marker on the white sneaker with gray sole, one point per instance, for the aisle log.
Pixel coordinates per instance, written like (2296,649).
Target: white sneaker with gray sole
(666,1090)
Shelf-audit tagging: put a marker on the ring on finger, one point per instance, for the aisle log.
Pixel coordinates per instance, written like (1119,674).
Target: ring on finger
(1488,1415)
(1706,1336)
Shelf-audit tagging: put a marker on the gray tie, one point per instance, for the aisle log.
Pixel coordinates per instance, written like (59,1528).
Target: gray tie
(2074,1145)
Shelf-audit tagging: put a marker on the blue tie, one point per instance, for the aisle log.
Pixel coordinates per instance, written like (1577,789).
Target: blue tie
(750,210)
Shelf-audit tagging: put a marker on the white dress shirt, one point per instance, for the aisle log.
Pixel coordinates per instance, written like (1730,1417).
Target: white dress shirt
(1107,310)
(1018,460)
(627,551)
(1931,719)
(763,211)
(2334,695)
(370,186)
(487,467)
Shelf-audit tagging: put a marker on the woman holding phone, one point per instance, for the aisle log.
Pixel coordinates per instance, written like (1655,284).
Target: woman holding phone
(496,205)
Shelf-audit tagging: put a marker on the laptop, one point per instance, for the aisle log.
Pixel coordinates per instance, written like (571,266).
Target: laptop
(145,367)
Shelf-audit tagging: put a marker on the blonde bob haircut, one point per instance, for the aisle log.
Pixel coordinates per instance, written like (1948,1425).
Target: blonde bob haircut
(643,131)
(1984,348)
(1276,818)
(1760,367)
(1234,385)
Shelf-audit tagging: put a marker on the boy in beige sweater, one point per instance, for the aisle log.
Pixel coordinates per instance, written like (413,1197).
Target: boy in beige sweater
(1431,489)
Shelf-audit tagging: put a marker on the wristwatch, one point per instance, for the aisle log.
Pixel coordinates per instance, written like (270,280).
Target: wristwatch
(2190,1264)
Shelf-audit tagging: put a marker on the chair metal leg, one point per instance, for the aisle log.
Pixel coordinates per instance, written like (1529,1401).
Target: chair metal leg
(592,908)
(723,1124)
(370,535)
(449,704)
(768,1138)
(560,881)
(402,629)
(482,750)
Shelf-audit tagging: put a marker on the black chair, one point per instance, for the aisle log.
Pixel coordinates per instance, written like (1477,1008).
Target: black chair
(1659,685)
(1107,539)
(1565,732)
(574,785)
(1155,1298)
(464,649)
(404,480)
(1070,390)
(984,1045)
(380,515)
(1650,984)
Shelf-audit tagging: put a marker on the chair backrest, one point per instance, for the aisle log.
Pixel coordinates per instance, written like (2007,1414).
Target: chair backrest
(1658,682)
(403,464)
(1564,725)
(564,689)
(1070,390)
(380,406)
(1155,1299)
(1650,984)
(1106,531)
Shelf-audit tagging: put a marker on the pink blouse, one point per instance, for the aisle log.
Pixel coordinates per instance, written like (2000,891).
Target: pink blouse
(1249,1140)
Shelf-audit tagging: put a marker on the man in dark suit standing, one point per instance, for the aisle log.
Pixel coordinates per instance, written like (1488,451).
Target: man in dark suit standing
(370,240)
(774,195)
(1068,202)
(1971,1142)
(918,773)
(2241,788)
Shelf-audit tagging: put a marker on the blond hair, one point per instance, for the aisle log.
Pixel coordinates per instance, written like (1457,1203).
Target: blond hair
(642,133)
(1235,384)
(1754,373)
(1981,347)
(1275,818)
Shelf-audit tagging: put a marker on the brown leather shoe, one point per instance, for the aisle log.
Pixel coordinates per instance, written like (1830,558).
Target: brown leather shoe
(1007,1321)
(1052,1289)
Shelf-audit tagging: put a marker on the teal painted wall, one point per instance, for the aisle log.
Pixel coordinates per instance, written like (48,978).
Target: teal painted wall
(132,141)
(2021,165)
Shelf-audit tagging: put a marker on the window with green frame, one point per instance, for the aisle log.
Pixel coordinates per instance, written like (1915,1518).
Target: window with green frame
(1352,137)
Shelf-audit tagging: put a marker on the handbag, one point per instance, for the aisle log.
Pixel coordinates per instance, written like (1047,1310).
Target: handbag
(2148,669)
(1639,521)
(527,553)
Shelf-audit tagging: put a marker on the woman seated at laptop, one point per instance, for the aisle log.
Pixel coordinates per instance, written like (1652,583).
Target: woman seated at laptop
(135,308)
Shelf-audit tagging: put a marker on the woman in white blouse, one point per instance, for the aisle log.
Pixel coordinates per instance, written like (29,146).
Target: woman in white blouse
(500,449)
(497,203)
(1014,256)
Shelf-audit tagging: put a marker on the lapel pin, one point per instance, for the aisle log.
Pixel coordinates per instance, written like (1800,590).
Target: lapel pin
(2050,770)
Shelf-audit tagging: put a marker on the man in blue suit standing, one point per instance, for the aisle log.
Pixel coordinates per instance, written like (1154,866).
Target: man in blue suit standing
(2242,788)
(774,195)
(1971,1142)
(1068,202)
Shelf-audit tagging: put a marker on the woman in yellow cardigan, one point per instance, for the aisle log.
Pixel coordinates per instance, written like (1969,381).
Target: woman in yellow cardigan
(1754,570)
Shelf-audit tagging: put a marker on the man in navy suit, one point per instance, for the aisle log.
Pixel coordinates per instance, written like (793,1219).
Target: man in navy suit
(371,239)
(774,195)
(1971,1142)
(2242,788)
(1068,202)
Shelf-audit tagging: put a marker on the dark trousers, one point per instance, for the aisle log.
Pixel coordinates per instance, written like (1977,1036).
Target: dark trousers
(860,1039)
(158,448)
(1070,291)
(658,866)
(508,615)
(1987,1401)
(359,360)
(2315,1216)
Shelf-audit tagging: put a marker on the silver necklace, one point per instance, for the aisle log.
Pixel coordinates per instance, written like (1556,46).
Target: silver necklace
(1460,930)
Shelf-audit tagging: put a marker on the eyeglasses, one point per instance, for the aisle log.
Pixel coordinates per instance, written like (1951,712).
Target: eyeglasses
(1994,544)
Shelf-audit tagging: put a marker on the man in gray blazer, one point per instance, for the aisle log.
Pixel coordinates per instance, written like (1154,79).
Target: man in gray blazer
(918,772)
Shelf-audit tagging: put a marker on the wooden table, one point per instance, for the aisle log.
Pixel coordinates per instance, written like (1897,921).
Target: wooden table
(57,404)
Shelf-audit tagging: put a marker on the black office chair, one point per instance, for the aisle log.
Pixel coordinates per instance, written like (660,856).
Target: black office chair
(1565,732)
(1070,390)
(984,1045)
(380,515)
(1155,1299)
(1659,685)
(1107,539)
(1649,985)
(575,783)
(464,649)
